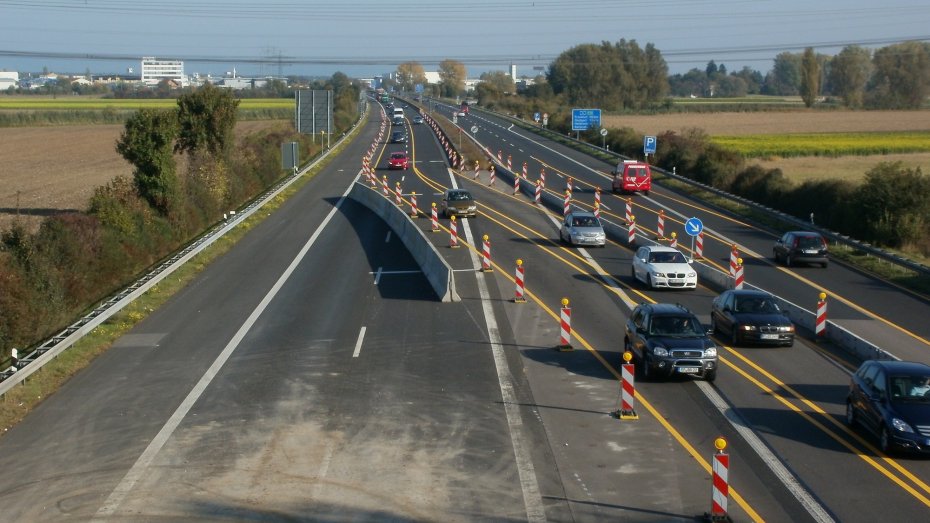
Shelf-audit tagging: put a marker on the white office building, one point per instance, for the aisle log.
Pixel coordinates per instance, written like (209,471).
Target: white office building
(154,71)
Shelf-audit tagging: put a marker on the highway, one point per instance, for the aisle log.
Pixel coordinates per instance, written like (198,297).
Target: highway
(312,374)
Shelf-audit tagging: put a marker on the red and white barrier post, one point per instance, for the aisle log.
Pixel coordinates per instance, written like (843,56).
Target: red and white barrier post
(518,297)
(499,157)
(568,203)
(597,202)
(384,187)
(738,278)
(538,196)
(734,256)
(525,174)
(491,181)
(820,323)
(699,245)
(721,485)
(486,255)
(414,213)
(516,183)
(660,228)
(631,238)
(454,234)
(673,241)
(509,163)
(542,177)
(627,388)
(434,218)
(629,209)
(565,332)
(477,169)
(398,195)
(568,184)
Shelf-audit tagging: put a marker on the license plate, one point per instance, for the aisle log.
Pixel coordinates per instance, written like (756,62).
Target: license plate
(676,280)
(769,336)
(810,251)
(688,370)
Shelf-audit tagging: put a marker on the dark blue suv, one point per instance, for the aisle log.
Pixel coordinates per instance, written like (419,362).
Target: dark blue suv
(668,340)
(891,399)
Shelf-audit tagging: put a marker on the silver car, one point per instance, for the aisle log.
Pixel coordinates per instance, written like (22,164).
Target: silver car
(582,228)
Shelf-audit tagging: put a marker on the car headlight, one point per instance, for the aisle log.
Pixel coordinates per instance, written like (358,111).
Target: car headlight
(786,328)
(900,426)
(692,275)
(660,274)
(659,351)
(747,327)
(710,352)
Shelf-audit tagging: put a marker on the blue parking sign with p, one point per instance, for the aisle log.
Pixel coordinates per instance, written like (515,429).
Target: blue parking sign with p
(649,145)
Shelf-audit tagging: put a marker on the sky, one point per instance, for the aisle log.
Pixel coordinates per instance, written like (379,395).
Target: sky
(363,38)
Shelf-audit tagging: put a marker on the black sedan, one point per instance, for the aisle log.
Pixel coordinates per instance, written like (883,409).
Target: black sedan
(891,399)
(751,317)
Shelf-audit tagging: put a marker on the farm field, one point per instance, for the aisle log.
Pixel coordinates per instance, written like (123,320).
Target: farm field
(83,103)
(51,169)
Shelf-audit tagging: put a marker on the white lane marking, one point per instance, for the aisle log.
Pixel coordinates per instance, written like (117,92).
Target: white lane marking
(532,499)
(324,469)
(139,468)
(358,343)
(774,464)
(378,276)
(387,237)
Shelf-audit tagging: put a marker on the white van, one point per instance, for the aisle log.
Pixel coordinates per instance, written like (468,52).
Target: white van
(398,113)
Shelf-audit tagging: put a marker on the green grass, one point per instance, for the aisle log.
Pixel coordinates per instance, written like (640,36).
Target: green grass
(826,144)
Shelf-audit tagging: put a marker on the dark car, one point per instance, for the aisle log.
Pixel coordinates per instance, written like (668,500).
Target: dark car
(667,339)
(801,247)
(458,202)
(398,137)
(891,399)
(748,316)
(418,119)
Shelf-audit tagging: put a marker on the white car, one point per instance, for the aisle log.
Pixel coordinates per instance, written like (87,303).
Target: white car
(661,266)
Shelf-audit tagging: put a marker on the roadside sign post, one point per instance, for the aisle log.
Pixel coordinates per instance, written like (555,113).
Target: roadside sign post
(694,227)
(649,146)
(603,138)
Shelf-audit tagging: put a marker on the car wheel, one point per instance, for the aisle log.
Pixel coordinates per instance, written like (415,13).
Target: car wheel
(824,265)
(646,193)
(633,273)
(787,260)
(714,329)
(850,414)
(649,281)
(884,440)
(710,375)
(734,335)
(647,374)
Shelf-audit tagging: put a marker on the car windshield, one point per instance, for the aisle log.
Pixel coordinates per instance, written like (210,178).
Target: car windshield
(809,242)
(667,257)
(459,196)
(398,156)
(910,387)
(675,326)
(756,304)
(585,221)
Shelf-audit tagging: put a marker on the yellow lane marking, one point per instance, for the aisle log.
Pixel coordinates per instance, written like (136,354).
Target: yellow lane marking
(836,437)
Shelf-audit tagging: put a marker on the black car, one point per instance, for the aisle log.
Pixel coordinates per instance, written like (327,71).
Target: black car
(891,399)
(801,247)
(398,137)
(667,339)
(748,316)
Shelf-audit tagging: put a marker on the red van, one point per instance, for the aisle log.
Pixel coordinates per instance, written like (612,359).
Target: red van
(631,176)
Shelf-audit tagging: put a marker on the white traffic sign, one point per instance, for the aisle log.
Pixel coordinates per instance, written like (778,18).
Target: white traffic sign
(474,129)
(603,132)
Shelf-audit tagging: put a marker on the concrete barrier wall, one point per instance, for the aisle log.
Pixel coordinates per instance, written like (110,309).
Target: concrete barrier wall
(437,271)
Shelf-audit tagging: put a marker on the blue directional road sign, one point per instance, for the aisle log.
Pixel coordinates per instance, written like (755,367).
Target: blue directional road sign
(418,88)
(649,145)
(535,117)
(694,226)
(584,119)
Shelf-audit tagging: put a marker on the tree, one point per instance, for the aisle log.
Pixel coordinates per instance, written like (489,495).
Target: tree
(409,74)
(501,82)
(452,76)
(785,77)
(711,69)
(207,118)
(849,73)
(810,77)
(147,143)
(752,78)
(901,79)
(893,204)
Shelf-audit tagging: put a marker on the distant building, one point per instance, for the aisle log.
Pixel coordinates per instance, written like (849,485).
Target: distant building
(154,71)
(8,79)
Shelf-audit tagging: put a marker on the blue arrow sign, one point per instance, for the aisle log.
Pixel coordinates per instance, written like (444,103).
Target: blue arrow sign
(693,226)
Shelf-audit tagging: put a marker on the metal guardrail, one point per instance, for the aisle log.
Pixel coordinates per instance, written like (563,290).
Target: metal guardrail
(833,236)
(52,347)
